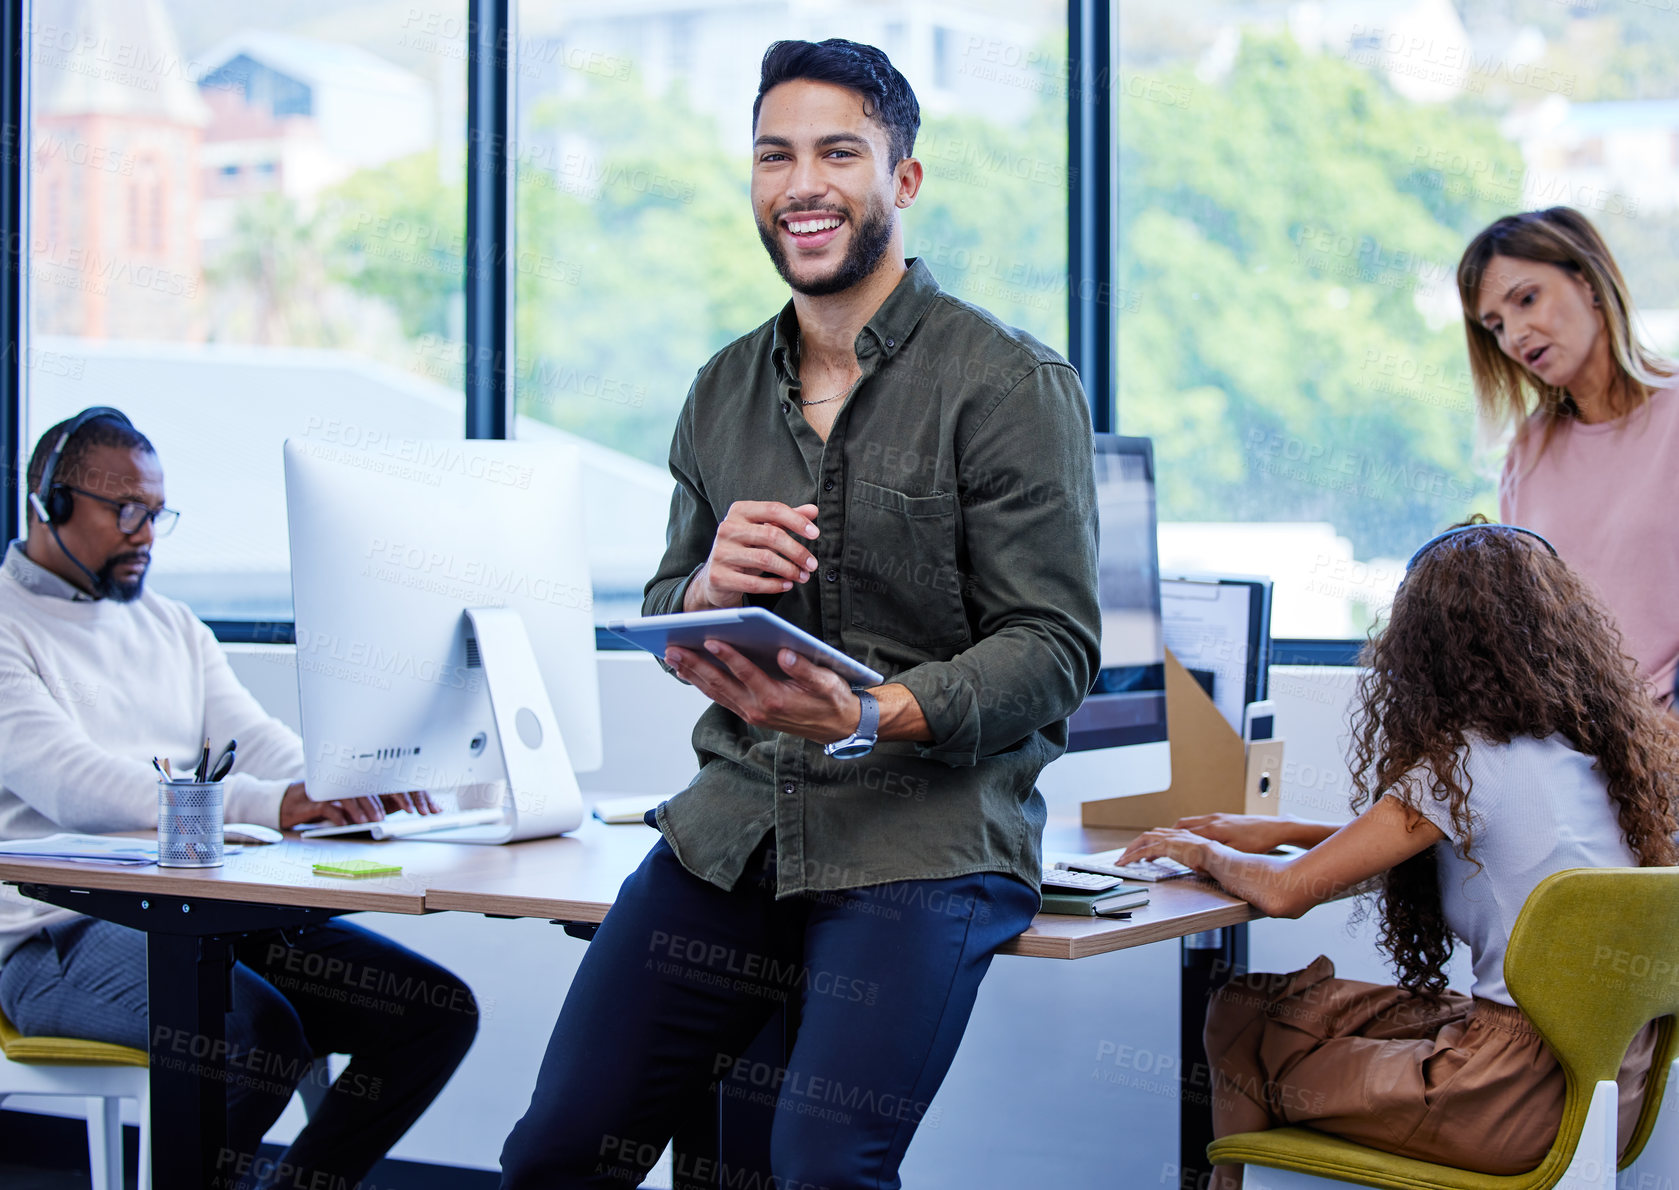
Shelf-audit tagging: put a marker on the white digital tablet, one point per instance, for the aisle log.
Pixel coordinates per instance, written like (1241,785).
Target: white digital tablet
(751,630)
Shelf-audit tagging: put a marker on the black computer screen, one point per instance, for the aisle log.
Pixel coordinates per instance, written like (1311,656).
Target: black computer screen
(1127,703)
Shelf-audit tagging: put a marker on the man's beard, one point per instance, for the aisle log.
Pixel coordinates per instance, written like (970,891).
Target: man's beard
(868,245)
(106,585)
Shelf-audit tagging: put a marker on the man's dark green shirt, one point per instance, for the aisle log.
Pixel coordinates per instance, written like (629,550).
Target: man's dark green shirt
(957,556)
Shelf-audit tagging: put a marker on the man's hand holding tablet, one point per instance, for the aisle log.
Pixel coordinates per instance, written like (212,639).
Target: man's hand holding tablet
(760,548)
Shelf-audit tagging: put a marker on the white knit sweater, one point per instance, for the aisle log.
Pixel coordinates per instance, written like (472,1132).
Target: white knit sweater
(90,691)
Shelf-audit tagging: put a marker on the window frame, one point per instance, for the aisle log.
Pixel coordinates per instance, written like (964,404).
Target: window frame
(489,218)
(14,97)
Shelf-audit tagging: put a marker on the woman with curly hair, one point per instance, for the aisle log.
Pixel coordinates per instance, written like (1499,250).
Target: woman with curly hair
(1554,350)
(1500,735)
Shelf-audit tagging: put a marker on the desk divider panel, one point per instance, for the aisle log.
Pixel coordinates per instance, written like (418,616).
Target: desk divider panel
(1213,771)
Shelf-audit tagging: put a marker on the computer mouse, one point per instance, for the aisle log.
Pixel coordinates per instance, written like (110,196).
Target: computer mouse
(249,832)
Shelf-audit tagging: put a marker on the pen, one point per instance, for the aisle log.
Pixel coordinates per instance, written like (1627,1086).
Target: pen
(162,772)
(224,762)
(166,771)
(203,769)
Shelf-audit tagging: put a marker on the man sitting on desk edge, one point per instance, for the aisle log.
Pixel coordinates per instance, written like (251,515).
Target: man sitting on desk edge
(911,481)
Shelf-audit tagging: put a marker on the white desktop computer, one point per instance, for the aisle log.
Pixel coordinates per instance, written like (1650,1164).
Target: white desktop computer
(1117,742)
(445,629)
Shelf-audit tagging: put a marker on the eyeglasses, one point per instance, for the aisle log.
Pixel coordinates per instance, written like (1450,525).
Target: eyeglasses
(131,514)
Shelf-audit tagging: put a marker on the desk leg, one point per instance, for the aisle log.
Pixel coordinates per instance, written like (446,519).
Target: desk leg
(187,992)
(725,1141)
(189,963)
(1210,958)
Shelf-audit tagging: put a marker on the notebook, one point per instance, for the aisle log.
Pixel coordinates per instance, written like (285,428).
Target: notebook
(1120,898)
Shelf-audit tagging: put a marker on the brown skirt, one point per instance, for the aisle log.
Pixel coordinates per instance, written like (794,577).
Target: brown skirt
(1461,1082)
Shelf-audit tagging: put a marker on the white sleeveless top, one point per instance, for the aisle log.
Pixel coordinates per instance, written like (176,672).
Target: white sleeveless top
(1536,807)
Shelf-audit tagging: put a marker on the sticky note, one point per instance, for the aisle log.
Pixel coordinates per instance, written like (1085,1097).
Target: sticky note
(358,867)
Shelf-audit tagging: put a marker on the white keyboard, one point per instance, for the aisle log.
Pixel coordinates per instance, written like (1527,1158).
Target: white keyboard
(402,824)
(1148,870)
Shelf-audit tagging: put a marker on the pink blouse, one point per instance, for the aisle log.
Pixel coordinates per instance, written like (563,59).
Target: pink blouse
(1607,496)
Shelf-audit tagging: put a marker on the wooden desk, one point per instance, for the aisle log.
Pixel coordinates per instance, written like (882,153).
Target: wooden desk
(281,874)
(576,878)
(191,915)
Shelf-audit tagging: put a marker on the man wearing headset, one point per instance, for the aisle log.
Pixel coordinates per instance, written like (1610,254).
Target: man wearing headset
(99,675)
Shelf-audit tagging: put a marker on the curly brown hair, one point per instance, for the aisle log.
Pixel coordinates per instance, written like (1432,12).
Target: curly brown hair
(1492,637)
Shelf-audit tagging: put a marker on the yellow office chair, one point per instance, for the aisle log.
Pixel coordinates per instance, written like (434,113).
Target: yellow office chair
(104,1075)
(1594,957)
(96,1071)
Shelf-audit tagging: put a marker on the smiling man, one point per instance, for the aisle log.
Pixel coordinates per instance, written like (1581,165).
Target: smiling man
(900,474)
(97,676)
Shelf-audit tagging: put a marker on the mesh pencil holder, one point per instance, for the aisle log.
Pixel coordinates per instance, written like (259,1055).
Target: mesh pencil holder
(189,824)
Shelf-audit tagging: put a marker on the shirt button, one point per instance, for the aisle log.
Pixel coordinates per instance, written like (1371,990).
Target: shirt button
(789,789)
(832,576)
(827,485)
(891,342)
(785,407)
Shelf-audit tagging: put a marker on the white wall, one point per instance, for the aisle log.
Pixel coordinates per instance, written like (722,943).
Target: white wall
(1036,1094)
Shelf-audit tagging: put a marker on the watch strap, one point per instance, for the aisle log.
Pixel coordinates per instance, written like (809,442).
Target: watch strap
(860,742)
(868,722)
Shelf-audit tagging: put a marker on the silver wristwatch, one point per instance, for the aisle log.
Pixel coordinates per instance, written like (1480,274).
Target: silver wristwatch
(860,742)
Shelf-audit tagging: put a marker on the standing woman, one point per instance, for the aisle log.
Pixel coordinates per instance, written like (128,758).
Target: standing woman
(1595,461)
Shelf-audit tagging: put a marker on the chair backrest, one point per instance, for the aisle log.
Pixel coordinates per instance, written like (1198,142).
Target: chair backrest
(1593,958)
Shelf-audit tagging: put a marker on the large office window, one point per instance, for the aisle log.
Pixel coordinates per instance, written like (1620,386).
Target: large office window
(246,221)
(637,258)
(1296,184)
(244,224)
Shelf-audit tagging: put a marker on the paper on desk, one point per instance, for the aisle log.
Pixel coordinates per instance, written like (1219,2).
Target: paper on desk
(1206,627)
(83,849)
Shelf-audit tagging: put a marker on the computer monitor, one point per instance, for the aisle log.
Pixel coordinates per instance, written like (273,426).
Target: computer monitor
(1117,738)
(401,688)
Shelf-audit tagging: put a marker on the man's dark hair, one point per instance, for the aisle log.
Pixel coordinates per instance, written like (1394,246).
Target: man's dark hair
(851,64)
(101,431)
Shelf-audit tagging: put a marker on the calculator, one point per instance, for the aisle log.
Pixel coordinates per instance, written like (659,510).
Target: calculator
(1061,880)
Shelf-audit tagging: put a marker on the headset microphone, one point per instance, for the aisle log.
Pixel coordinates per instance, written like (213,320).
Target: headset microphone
(98,587)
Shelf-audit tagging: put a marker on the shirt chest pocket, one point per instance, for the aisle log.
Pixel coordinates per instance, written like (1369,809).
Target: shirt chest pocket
(900,566)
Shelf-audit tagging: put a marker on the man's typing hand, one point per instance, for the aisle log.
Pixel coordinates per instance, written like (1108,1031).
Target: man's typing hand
(296,808)
(760,549)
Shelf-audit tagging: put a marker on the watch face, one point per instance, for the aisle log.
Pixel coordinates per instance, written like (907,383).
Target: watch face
(851,749)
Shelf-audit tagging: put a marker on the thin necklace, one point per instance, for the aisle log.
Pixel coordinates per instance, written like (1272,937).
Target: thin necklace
(803,404)
(840,397)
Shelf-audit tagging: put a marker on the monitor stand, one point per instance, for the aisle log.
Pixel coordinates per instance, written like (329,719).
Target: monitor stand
(542,797)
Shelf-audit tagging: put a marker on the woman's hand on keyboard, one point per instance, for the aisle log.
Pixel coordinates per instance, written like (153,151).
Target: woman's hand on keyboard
(1257,833)
(1184,846)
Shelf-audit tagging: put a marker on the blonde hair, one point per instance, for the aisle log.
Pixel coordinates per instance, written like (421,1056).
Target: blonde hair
(1507,393)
